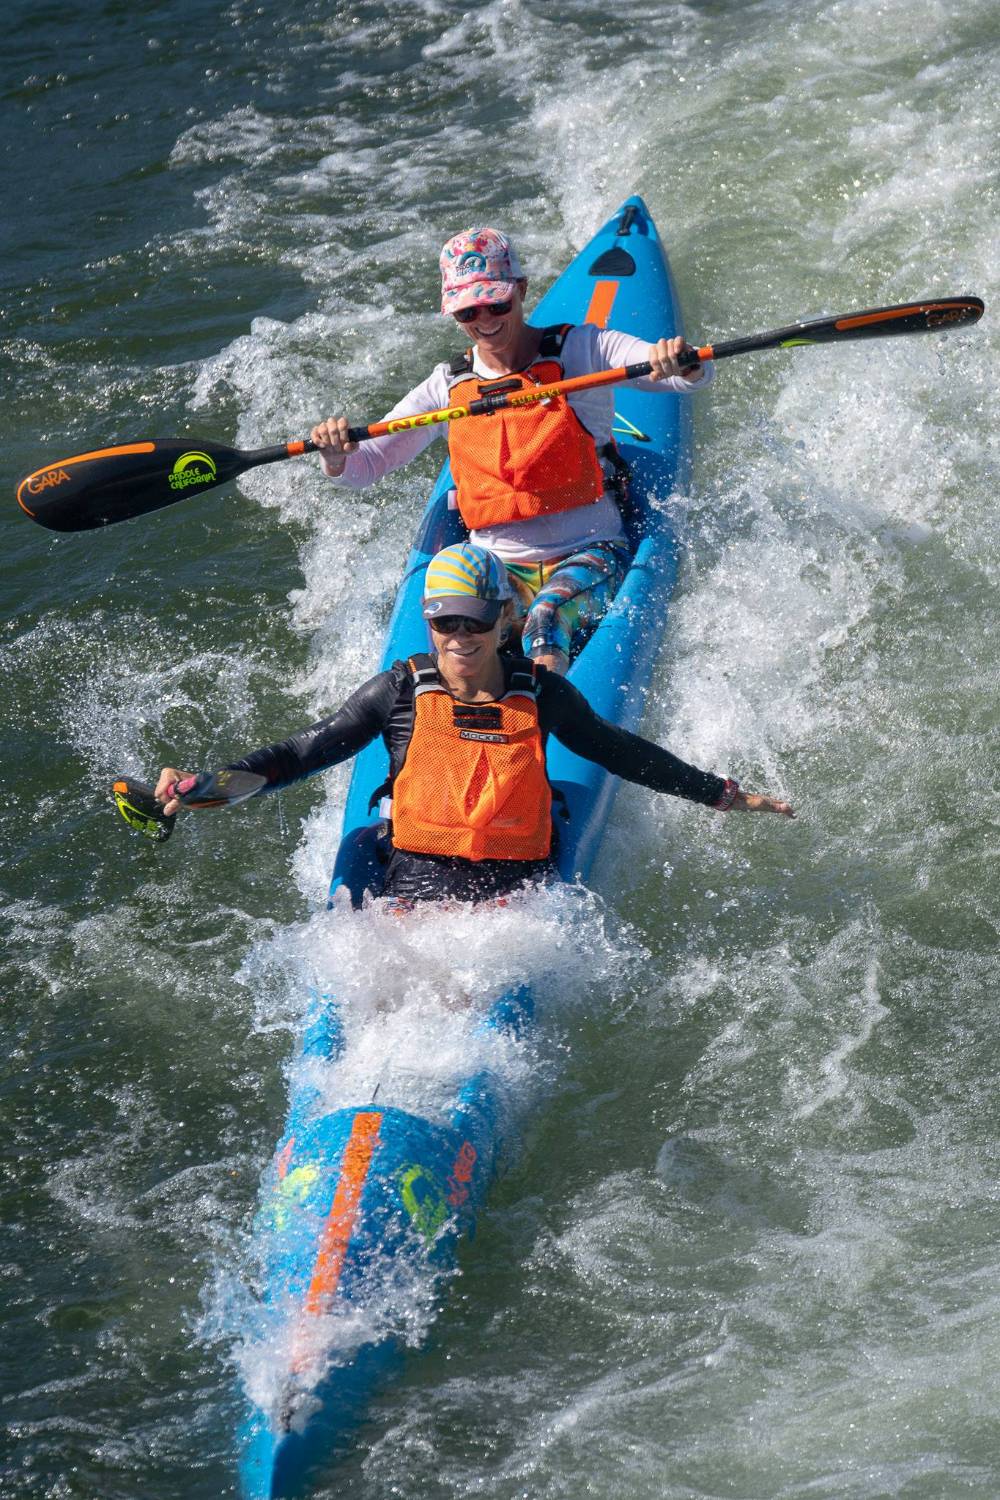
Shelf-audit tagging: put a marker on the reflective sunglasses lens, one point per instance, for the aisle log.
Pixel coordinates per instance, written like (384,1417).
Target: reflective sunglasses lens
(452,624)
(470,314)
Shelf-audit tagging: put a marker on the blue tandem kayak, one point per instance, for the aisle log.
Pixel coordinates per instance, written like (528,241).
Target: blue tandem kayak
(361,1200)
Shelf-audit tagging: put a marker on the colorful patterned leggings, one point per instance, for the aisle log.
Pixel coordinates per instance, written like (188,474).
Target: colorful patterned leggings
(559,603)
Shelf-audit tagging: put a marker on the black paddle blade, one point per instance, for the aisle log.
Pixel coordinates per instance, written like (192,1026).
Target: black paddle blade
(140,809)
(916,317)
(935,315)
(219,788)
(115,484)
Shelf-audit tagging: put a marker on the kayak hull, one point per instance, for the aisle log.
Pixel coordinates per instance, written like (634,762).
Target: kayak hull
(360,1205)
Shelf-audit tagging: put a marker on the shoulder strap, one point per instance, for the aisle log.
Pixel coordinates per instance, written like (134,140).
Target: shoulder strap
(462,363)
(406,674)
(553,339)
(522,677)
(424,674)
(550,347)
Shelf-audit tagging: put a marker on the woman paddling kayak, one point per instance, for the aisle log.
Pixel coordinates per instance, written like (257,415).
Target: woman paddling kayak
(471,813)
(540,486)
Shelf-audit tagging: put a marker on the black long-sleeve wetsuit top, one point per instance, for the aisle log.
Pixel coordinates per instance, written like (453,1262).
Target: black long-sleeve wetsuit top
(385,706)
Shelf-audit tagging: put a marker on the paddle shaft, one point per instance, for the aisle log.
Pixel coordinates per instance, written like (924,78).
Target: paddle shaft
(878,322)
(116,484)
(502,395)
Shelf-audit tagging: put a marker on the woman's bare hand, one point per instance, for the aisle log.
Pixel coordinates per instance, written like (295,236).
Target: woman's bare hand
(751,802)
(164,789)
(330,437)
(663,357)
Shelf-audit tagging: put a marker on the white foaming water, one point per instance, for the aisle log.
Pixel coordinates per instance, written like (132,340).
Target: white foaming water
(806,1009)
(411,995)
(412,991)
(702,1307)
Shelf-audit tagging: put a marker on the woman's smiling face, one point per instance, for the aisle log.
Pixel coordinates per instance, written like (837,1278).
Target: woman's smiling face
(466,656)
(497,336)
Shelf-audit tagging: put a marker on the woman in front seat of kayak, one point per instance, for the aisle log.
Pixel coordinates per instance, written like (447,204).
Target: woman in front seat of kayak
(471,813)
(540,485)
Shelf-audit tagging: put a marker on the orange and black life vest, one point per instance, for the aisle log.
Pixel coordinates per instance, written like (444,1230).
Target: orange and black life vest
(473,783)
(524,461)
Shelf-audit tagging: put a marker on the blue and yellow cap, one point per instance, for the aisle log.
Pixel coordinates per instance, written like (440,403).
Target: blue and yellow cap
(466,580)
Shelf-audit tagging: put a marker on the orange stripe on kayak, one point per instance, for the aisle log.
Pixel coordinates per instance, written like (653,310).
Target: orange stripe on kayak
(601,302)
(339,1226)
(284,1158)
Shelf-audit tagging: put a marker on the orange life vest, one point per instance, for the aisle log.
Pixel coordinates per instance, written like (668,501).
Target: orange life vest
(473,783)
(525,461)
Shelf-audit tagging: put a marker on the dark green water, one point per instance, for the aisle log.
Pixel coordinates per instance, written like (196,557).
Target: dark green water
(751,1247)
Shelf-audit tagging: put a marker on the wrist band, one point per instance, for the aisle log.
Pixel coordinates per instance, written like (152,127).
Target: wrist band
(727,796)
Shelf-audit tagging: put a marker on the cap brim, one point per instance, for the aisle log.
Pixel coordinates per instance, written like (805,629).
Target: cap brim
(478,294)
(488,610)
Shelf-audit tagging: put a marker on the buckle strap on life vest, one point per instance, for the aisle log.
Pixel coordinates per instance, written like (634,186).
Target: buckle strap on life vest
(424,676)
(477,715)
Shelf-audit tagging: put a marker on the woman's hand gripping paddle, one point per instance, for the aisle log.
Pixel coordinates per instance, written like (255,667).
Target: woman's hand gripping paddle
(116,484)
(141,810)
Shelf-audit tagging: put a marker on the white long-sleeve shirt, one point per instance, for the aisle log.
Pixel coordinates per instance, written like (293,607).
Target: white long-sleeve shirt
(539,538)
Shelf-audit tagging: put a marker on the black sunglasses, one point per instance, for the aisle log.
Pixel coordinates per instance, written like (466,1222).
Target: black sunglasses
(452,624)
(470,314)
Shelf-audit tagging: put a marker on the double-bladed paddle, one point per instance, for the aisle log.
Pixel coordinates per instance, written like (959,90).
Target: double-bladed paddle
(116,484)
(138,805)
